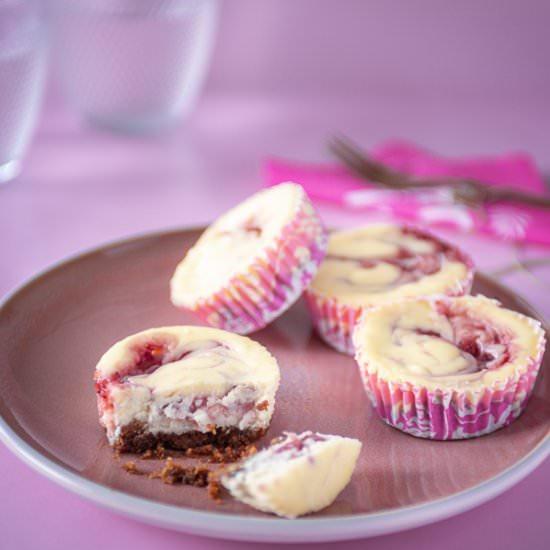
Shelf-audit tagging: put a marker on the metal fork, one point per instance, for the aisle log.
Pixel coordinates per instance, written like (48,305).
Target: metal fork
(466,191)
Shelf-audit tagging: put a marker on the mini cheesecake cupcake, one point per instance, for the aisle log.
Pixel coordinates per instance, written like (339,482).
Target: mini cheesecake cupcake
(448,368)
(185,387)
(379,264)
(296,475)
(253,263)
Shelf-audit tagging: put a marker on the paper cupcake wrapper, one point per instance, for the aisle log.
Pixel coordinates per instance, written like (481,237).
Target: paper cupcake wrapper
(273,282)
(445,414)
(334,321)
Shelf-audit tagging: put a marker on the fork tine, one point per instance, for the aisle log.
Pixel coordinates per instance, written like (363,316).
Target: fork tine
(350,154)
(467,191)
(342,145)
(349,159)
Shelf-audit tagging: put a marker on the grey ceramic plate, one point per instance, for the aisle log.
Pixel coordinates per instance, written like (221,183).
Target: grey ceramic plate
(53,330)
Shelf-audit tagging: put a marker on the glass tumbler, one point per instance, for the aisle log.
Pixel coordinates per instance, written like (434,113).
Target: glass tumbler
(133,65)
(23,36)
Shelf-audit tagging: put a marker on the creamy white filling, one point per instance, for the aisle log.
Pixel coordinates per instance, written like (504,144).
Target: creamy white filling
(396,342)
(295,482)
(202,369)
(199,378)
(358,268)
(238,408)
(236,239)
(379,240)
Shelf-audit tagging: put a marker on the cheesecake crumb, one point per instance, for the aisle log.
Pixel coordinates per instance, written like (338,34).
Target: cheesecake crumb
(131,468)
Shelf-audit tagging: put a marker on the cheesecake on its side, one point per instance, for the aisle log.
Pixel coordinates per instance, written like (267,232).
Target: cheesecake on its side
(296,475)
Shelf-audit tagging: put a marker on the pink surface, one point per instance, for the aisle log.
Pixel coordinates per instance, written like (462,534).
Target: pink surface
(429,206)
(482,90)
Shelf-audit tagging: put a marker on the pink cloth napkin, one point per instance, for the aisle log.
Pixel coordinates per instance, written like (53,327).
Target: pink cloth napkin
(336,184)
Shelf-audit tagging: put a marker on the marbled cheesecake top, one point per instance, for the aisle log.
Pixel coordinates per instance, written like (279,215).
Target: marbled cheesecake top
(184,360)
(446,342)
(383,262)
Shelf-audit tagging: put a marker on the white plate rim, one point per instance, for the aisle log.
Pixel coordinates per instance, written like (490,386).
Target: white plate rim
(252,528)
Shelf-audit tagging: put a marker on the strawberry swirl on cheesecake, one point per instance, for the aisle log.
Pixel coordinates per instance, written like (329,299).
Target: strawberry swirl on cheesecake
(379,264)
(448,368)
(184,387)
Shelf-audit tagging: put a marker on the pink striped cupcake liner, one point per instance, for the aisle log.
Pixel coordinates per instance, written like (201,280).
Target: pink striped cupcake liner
(273,281)
(335,320)
(451,413)
(444,415)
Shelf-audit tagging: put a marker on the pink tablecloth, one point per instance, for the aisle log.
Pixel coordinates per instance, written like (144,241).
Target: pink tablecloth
(81,188)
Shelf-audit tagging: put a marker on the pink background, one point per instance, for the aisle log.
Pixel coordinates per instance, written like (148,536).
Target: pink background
(361,47)
(459,77)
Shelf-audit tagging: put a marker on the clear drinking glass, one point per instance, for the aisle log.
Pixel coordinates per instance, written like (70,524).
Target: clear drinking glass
(133,65)
(22,72)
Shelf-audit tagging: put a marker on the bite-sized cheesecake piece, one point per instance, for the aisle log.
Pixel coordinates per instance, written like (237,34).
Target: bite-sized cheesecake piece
(253,262)
(184,387)
(379,264)
(296,475)
(448,368)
